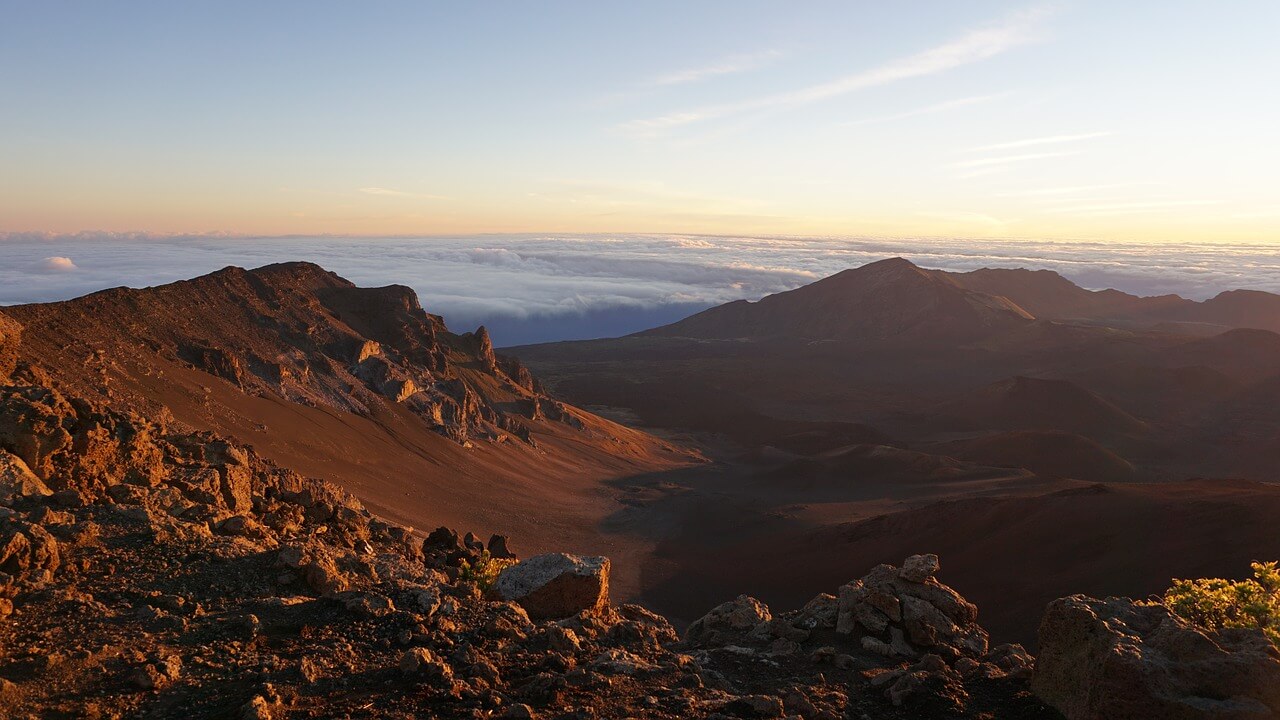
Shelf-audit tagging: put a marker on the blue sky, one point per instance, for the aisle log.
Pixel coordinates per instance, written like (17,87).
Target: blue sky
(1139,121)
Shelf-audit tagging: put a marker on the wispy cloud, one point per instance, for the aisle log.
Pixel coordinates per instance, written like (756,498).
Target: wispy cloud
(389,192)
(972,47)
(1009,159)
(927,110)
(1033,142)
(727,66)
(1059,194)
(1130,208)
(967,218)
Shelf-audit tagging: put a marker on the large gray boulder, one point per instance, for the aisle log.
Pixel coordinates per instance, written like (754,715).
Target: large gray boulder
(555,585)
(1116,659)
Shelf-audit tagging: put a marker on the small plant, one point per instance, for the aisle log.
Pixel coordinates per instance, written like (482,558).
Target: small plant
(1214,603)
(484,571)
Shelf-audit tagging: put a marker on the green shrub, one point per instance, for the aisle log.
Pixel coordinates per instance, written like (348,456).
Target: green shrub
(1214,603)
(484,571)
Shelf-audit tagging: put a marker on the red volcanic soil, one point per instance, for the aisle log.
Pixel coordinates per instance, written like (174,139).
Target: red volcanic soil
(1010,555)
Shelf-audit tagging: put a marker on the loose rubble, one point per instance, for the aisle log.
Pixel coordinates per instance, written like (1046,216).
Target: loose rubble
(913,641)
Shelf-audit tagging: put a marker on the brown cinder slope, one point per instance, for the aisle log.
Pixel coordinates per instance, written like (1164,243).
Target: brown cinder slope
(359,386)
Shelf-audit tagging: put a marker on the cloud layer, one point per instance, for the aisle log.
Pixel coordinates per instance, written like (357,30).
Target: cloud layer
(531,288)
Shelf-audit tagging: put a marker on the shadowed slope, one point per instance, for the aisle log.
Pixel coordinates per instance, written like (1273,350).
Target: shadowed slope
(1046,294)
(887,300)
(1025,403)
(1048,453)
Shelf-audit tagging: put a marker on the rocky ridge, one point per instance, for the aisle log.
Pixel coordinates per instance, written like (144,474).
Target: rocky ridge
(303,334)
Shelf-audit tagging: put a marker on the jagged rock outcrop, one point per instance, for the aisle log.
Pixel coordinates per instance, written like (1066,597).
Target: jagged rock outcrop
(298,332)
(916,641)
(556,585)
(69,443)
(907,612)
(1117,659)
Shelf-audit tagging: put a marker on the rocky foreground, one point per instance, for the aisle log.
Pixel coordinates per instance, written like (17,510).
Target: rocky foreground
(152,572)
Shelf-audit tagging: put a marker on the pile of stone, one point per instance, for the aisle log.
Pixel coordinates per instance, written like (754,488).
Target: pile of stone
(914,639)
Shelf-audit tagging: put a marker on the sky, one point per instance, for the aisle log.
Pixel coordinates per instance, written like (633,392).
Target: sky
(1082,120)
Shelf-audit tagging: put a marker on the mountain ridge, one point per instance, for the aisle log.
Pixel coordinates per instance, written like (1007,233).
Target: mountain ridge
(357,386)
(890,300)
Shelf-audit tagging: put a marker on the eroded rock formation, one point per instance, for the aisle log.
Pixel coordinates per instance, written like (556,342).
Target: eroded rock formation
(1118,659)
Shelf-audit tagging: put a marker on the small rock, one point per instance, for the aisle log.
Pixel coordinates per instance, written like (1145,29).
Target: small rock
(563,640)
(518,711)
(147,677)
(498,547)
(919,568)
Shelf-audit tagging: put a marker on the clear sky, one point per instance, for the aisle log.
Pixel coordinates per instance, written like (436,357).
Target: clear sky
(1146,120)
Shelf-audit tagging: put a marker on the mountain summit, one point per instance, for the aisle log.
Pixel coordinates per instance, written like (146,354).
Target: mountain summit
(890,300)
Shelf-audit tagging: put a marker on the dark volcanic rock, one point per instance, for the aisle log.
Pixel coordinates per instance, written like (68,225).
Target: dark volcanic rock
(1116,659)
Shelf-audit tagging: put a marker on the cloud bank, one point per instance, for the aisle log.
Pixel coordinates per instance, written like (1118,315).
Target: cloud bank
(535,288)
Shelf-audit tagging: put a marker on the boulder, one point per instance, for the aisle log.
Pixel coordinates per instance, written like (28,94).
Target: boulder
(555,585)
(27,552)
(1118,659)
(727,622)
(919,568)
(17,482)
(498,547)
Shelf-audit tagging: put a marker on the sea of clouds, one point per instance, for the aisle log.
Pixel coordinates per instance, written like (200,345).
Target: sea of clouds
(539,288)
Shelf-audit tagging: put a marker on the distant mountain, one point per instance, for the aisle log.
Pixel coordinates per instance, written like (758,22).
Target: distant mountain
(1236,308)
(925,357)
(890,300)
(1048,295)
